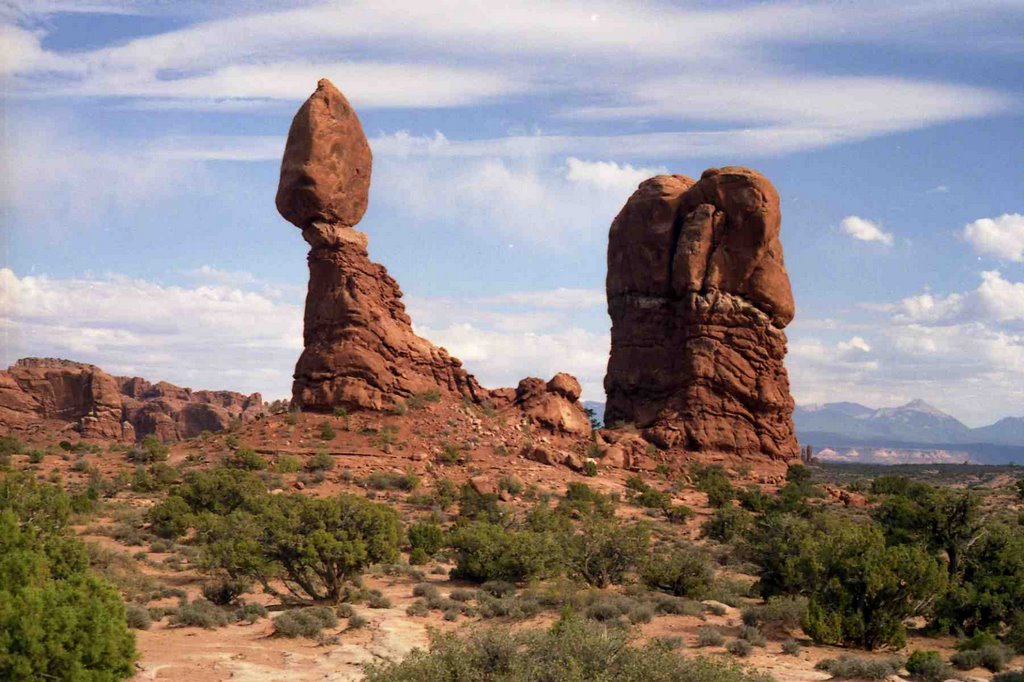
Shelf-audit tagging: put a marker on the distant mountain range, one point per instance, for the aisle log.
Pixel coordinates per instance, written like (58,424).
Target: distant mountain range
(915,432)
(915,422)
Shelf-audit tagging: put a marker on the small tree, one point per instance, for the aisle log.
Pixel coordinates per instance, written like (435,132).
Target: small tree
(604,550)
(684,571)
(314,546)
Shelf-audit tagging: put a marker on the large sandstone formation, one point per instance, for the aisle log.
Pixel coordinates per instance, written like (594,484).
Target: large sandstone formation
(698,295)
(36,391)
(360,349)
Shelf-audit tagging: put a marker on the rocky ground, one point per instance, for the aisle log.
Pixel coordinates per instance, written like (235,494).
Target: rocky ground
(434,440)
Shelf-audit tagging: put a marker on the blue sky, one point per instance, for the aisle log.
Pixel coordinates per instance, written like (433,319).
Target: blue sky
(142,142)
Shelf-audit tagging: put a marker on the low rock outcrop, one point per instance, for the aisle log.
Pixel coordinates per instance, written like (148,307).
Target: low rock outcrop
(699,295)
(359,346)
(554,405)
(37,391)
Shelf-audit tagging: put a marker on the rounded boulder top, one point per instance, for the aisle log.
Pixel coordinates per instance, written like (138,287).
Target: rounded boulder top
(325,170)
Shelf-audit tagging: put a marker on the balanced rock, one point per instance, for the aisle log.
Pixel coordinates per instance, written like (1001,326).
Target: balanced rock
(699,295)
(359,346)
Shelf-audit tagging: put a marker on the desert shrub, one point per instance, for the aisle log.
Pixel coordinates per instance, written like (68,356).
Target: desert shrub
(287,464)
(170,518)
(712,480)
(778,614)
(641,613)
(378,601)
(475,506)
(200,613)
(58,618)
(244,458)
(726,524)
(753,635)
(445,493)
(486,551)
(226,591)
(791,647)
(572,650)
(643,495)
(425,590)
(678,513)
(989,587)
(356,622)
(511,485)
(308,622)
(608,607)
(581,499)
(859,589)
(460,594)
(417,608)
(739,647)
(590,468)
(150,450)
(426,537)
(137,617)
(498,588)
(327,431)
(683,571)
(709,636)
(250,613)
(928,666)
(312,545)
(390,480)
(320,462)
(992,657)
(1015,633)
(604,550)
(848,667)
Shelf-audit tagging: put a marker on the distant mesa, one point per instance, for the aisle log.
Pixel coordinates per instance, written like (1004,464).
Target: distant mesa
(360,350)
(699,295)
(35,392)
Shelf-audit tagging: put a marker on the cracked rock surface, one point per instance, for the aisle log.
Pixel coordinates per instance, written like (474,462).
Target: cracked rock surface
(699,295)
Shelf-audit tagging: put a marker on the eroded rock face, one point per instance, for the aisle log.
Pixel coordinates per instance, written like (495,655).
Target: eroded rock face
(101,406)
(698,295)
(360,349)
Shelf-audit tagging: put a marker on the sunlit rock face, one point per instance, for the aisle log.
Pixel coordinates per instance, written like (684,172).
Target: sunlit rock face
(699,295)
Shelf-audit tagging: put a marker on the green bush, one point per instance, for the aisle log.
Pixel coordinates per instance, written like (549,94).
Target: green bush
(486,551)
(712,480)
(683,571)
(791,647)
(778,614)
(244,458)
(389,480)
(226,591)
(739,647)
(726,524)
(573,650)
(150,450)
(1015,633)
(604,550)
(170,518)
(708,635)
(848,667)
(860,590)
(928,666)
(327,431)
(1012,676)
(426,537)
(137,617)
(321,461)
(200,614)
(308,622)
(250,613)
(58,619)
(287,464)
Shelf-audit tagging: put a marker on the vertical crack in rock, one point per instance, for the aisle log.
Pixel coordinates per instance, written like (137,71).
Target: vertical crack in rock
(359,346)
(698,295)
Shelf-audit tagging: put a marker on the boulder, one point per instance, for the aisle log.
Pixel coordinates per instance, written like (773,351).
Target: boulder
(554,405)
(699,295)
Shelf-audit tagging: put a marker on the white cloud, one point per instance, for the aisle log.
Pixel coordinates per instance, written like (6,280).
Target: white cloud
(217,336)
(608,175)
(995,300)
(559,299)
(865,230)
(1002,237)
(856,343)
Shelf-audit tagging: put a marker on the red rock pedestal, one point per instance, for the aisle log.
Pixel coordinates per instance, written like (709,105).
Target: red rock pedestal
(359,346)
(698,295)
